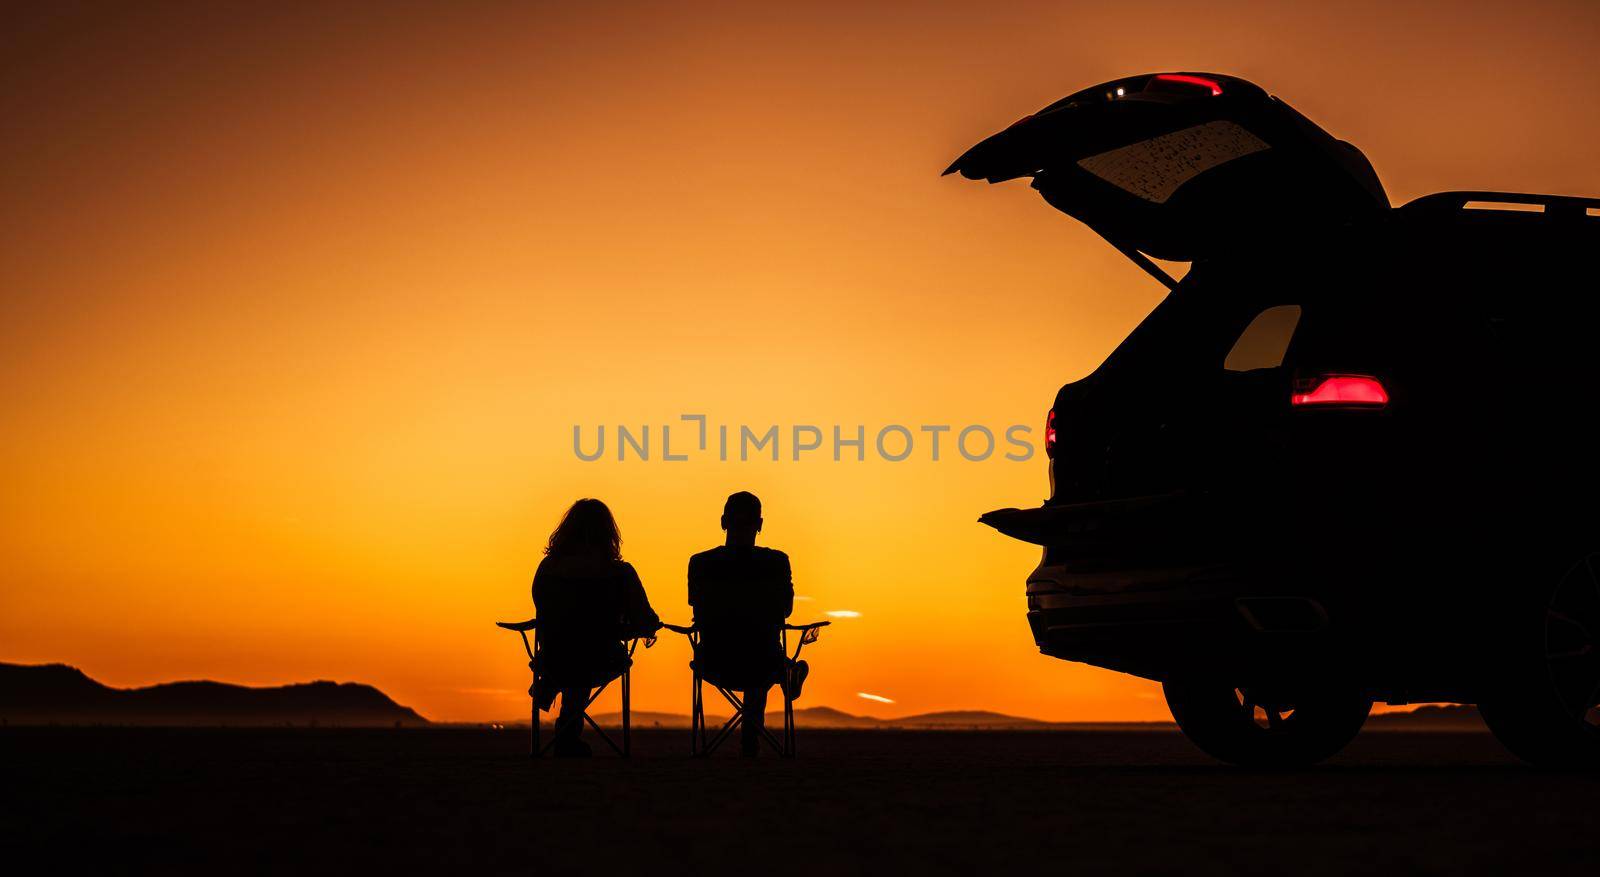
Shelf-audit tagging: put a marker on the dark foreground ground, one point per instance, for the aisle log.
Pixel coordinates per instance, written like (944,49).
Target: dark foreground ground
(879,802)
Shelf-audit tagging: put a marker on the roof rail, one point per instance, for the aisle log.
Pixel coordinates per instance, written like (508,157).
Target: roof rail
(1561,207)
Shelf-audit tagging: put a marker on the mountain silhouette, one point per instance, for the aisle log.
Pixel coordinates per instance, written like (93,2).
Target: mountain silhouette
(59,694)
(962,719)
(828,717)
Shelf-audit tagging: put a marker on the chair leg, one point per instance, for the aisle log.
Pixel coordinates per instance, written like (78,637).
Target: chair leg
(729,726)
(788,726)
(627,741)
(601,733)
(535,745)
(534,748)
(788,699)
(723,733)
(697,719)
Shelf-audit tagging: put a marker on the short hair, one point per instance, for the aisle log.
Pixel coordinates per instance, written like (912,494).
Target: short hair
(744,505)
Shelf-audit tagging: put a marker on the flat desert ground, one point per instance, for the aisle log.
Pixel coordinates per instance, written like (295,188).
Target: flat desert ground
(880,802)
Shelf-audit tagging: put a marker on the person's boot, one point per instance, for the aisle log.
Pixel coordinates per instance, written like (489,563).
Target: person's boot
(796,679)
(568,744)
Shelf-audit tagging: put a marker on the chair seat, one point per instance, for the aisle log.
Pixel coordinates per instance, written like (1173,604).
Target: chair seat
(740,675)
(561,674)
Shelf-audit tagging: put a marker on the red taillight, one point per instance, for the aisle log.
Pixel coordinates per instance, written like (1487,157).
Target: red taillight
(1186,79)
(1050,432)
(1348,391)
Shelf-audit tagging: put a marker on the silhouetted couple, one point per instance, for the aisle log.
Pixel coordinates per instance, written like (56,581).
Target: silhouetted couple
(589,600)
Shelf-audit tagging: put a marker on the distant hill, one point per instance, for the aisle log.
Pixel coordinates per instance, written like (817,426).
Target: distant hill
(828,717)
(957,720)
(811,717)
(1430,717)
(59,694)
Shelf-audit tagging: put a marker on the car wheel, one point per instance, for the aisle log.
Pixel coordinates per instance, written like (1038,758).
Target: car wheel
(1243,726)
(1543,709)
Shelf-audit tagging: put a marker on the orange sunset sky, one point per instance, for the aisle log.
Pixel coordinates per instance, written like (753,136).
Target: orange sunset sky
(301,303)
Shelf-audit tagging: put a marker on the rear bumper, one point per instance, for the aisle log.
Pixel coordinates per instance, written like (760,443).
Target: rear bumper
(1159,585)
(1216,625)
(1156,584)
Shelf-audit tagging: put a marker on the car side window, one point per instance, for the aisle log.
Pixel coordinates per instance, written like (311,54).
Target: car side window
(1264,342)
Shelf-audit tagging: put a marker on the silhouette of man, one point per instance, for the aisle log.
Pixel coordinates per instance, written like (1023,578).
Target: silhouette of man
(741,595)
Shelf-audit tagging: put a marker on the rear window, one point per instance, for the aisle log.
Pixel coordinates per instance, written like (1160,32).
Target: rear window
(1234,315)
(1264,342)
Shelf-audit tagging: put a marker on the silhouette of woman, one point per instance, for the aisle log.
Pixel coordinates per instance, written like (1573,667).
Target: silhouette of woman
(588,600)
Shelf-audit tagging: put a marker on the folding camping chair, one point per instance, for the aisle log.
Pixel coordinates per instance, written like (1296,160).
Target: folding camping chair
(698,745)
(535,748)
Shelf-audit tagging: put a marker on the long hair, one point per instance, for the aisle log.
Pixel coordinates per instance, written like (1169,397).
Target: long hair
(586,530)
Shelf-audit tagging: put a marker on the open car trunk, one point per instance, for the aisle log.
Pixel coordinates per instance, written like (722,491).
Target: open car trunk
(1181,166)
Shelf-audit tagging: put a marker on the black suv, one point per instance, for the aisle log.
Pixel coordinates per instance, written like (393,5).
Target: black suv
(1350,458)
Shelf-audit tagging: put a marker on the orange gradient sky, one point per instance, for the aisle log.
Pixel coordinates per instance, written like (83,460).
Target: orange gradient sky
(300,306)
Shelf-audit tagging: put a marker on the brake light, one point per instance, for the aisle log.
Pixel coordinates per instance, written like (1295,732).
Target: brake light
(1347,391)
(1187,79)
(1050,432)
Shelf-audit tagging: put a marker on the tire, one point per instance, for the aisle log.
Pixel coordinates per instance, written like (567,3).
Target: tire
(1542,708)
(1230,725)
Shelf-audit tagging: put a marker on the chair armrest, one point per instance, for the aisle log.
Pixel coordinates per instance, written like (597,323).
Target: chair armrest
(640,631)
(812,626)
(519,626)
(676,628)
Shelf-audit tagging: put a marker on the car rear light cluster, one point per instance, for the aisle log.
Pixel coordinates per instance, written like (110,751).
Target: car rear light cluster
(1342,391)
(1211,85)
